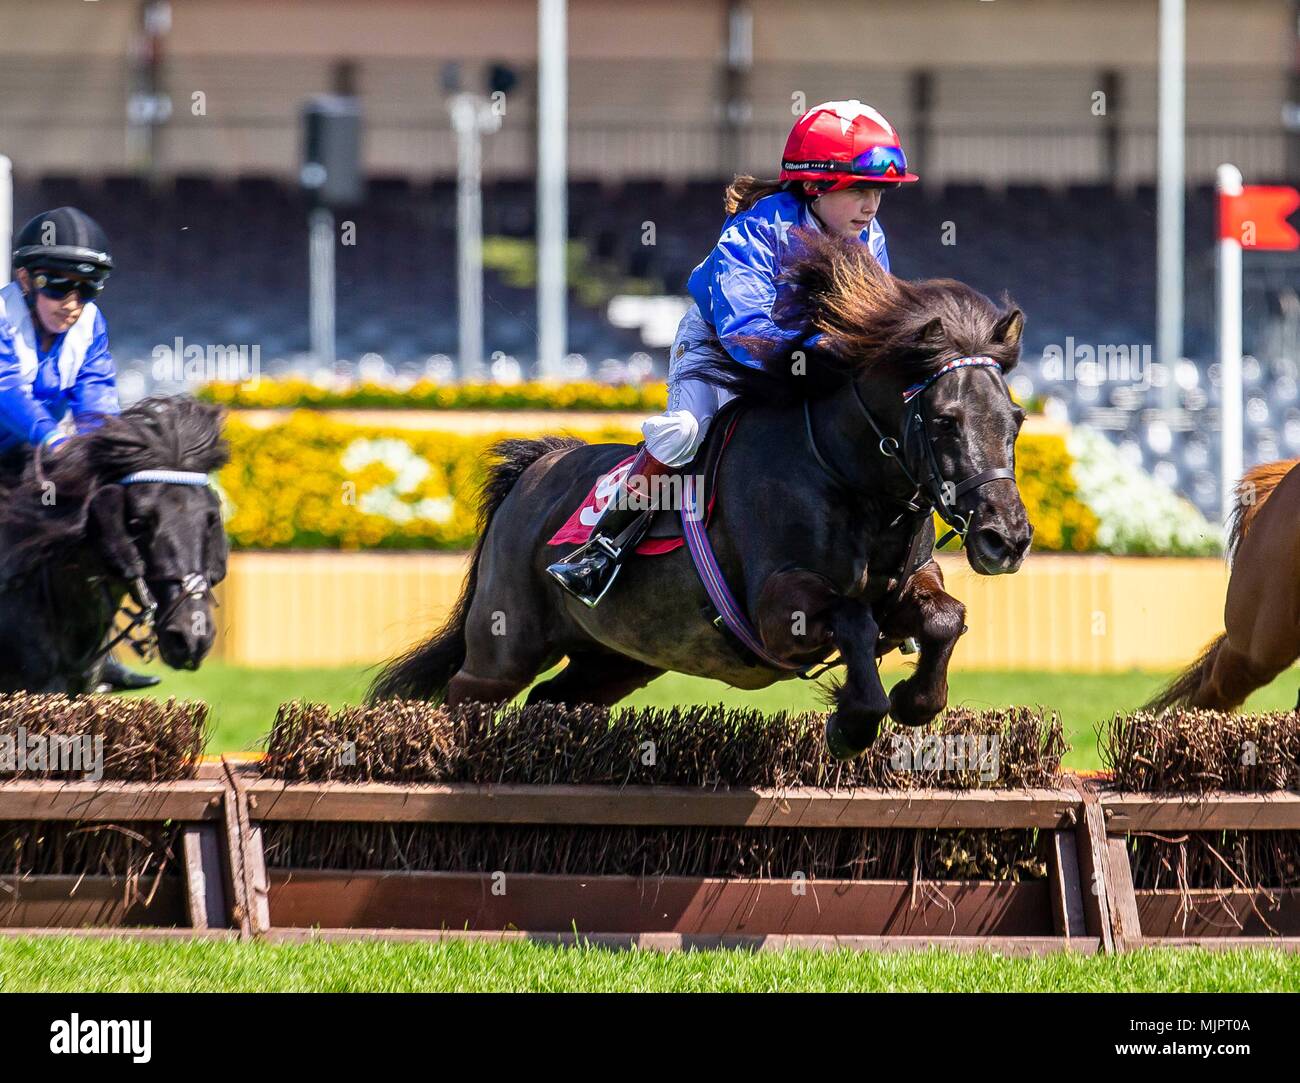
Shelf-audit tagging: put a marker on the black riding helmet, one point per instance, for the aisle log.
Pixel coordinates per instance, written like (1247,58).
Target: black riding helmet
(64,240)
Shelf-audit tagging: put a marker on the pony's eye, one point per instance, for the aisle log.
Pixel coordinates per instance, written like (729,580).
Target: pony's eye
(135,524)
(944,423)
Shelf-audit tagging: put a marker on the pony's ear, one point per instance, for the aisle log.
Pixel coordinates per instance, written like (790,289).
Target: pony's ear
(1007,331)
(106,525)
(932,336)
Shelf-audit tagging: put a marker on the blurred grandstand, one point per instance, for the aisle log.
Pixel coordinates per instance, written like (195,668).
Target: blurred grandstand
(1026,189)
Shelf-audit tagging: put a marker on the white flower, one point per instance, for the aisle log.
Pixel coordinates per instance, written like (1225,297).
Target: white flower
(408,468)
(1136,513)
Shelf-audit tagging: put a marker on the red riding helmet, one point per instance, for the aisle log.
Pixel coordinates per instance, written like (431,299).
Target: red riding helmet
(838,144)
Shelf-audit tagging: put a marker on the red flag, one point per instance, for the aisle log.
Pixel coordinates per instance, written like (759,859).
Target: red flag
(1258,217)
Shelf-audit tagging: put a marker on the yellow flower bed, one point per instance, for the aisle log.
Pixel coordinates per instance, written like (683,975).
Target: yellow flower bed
(312,482)
(1045,474)
(293,393)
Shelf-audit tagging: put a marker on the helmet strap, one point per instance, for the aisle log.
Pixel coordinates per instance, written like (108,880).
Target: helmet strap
(29,295)
(29,291)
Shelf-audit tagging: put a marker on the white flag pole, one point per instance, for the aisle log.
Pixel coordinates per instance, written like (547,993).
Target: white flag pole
(552,213)
(1229,303)
(6,217)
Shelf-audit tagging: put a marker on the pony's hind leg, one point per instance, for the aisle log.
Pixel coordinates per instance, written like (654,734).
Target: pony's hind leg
(505,648)
(594,677)
(1231,676)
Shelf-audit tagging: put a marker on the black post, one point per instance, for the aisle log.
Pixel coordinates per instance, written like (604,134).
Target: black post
(1293,103)
(1112,95)
(736,106)
(920,138)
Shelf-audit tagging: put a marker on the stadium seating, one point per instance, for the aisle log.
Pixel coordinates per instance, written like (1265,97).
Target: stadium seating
(225,262)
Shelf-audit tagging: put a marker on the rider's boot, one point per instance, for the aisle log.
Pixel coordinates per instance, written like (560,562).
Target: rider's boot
(588,571)
(115,677)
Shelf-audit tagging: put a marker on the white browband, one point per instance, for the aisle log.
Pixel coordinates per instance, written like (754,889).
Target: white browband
(165,477)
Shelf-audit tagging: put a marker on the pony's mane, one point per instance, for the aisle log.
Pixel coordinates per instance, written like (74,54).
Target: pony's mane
(870,322)
(46,509)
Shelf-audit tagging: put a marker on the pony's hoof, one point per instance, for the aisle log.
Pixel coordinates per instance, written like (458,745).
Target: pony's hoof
(838,742)
(911,708)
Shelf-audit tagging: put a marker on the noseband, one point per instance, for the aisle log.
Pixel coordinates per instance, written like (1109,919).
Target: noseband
(145,619)
(931,492)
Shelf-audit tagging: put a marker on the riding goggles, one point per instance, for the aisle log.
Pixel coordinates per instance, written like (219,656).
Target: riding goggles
(58,288)
(881,161)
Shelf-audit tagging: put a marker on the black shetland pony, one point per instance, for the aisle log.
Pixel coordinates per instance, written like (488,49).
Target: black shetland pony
(74,542)
(822,523)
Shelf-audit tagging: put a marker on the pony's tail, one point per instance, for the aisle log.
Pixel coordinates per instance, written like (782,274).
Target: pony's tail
(1180,691)
(426,669)
(1255,486)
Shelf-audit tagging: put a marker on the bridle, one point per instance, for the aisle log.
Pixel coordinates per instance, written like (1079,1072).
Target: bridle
(931,492)
(143,621)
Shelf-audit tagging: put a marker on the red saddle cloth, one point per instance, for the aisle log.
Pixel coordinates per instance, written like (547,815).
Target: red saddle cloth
(577,529)
(666,530)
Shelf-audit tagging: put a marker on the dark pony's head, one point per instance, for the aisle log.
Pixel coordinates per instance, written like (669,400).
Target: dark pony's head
(72,505)
(858,323)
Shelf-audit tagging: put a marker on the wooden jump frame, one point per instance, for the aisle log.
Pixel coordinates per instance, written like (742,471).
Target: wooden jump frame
(226,888)
(201,901)
(1208,918)
(672,911)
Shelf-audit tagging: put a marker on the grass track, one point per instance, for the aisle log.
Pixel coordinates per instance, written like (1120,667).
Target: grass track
(66,964)
(244,700)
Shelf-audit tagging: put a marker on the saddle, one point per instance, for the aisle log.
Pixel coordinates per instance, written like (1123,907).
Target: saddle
(665,534)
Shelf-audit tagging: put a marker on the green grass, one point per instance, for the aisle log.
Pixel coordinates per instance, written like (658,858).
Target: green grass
(244,700)
(75,965)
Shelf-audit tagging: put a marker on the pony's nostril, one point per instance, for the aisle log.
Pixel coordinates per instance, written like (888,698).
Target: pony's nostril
(993,543)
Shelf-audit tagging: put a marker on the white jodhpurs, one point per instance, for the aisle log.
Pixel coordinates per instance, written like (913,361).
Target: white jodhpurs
(674,436)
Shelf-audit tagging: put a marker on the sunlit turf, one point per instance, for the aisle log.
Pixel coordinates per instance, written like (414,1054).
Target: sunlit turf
(69,964)
(244,700)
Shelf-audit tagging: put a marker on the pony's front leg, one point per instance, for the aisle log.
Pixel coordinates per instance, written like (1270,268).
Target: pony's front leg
(860,702)
(937,619)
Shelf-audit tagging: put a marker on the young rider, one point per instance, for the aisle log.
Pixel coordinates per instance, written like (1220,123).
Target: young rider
(54,356)
(839,158)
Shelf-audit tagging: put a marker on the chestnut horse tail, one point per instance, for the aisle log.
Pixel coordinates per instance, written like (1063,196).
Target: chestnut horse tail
(424,671)
(1180,691)
(1256,485)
